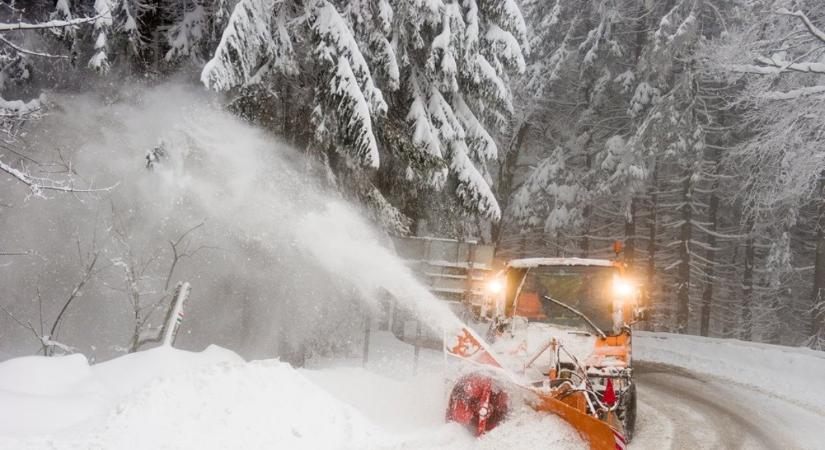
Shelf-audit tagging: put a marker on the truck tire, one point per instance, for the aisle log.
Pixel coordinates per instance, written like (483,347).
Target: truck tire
(627,412)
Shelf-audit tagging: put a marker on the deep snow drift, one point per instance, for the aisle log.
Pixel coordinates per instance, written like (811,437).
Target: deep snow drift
(166,398)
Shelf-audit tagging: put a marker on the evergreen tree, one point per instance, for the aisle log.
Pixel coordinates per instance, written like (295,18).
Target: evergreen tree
(438,69)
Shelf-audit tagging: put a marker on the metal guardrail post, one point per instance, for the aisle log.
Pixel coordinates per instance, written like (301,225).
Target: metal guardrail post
(176,318)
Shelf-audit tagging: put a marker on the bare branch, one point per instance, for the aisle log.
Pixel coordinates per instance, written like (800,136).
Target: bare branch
(38,185)
(87,275)
(13,317)
(813,29)
(177,255)
(28,326)
(782,66)
(795,93)
(45,25)
(30,52)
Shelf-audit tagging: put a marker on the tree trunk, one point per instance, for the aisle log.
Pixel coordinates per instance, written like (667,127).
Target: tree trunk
(710,255)
(817,330)
(630,235)
(650,289)
(747,286)
(135,344)
(506,172)
(683,293)
(286,100)
(587,211)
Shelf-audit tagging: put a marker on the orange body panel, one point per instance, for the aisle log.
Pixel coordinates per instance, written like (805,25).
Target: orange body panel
(529,306)
(617,347)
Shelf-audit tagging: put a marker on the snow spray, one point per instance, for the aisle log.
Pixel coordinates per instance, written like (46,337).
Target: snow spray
(283,259)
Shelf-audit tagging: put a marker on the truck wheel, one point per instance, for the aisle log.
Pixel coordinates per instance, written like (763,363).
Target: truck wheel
(627,412)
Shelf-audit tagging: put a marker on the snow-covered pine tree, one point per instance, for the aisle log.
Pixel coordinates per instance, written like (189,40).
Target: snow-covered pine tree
(103,25)
(781,98)
(625,95)
(423,83)
(577,65)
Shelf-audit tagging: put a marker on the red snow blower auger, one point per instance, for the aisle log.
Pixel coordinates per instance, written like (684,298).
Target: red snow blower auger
(477,402)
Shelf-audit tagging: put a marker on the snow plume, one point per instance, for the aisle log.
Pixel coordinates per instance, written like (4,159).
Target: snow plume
(278,266)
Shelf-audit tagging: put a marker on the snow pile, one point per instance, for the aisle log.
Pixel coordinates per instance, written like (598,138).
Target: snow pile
(209,400)
(791,373)
(264,404)
(171,399)
(40,395)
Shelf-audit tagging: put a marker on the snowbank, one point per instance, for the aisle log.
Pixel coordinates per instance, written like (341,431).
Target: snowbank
(175,400)
(265,404)
(40,395)
(795,374)
(171,399)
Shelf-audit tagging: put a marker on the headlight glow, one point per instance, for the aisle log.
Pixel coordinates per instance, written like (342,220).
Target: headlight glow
(622,287)
(495,286)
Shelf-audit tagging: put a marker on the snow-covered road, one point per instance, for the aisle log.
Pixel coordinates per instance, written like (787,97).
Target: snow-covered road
(679,409)
(726,394)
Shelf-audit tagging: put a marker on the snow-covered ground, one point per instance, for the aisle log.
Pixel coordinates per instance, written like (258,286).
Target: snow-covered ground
(795,374)
(172,399)
(699,392)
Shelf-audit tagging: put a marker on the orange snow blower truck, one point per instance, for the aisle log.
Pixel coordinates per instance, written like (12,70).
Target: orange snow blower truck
(560,331)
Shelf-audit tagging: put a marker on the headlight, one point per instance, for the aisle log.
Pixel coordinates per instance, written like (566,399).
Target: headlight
(623,288)
(495,286)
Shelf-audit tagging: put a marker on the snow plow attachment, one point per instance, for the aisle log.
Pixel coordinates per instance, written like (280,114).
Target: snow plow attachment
(597,433)
(480,402)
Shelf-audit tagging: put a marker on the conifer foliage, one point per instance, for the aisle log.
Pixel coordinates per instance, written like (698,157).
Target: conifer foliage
(436,68)
(692,130)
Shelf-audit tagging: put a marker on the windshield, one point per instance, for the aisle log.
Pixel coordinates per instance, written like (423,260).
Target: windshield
(585,288)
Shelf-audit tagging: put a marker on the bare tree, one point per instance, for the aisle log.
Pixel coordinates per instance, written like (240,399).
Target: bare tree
(49,343)
(142,286)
